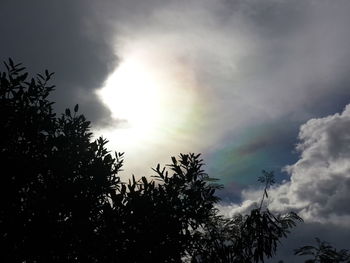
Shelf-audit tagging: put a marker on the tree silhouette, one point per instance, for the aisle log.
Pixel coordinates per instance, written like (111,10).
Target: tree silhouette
(155,220)
(62,199)
(55,181)
(249,238)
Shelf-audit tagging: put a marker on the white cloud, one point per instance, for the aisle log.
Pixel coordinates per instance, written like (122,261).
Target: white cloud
(318,190)
(319,186)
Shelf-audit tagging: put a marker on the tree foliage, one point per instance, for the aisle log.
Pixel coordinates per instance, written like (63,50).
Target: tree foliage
(323,252)
(154,220)
(62,199)
(246,238)
(55,181)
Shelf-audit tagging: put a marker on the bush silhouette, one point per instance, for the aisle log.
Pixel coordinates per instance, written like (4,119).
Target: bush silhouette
(323,253)
(62,199)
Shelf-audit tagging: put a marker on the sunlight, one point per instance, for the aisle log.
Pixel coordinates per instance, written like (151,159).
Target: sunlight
(150,100)
(133,95)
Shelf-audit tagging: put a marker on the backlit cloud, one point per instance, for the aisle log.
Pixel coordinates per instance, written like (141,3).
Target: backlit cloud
(250,62)
(319,185)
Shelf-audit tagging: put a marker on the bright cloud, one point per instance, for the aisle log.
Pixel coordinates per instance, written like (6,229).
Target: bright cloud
(319,186)
(250,62)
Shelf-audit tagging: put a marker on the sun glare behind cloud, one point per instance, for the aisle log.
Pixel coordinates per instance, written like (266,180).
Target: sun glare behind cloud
(152,101)
(134,97)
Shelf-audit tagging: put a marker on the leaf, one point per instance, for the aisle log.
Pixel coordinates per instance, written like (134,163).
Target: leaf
(7,67)
(76,108)
(266,194)
(68,112)
(40,76)
(144,180)
(11,63)
(23,77)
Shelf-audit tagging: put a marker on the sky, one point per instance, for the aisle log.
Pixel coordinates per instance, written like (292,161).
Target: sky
(250,84)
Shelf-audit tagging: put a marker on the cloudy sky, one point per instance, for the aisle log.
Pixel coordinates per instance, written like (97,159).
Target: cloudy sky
(251,84)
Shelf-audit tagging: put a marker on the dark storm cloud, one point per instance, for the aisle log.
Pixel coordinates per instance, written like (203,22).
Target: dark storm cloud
(290,56)
(64,37)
